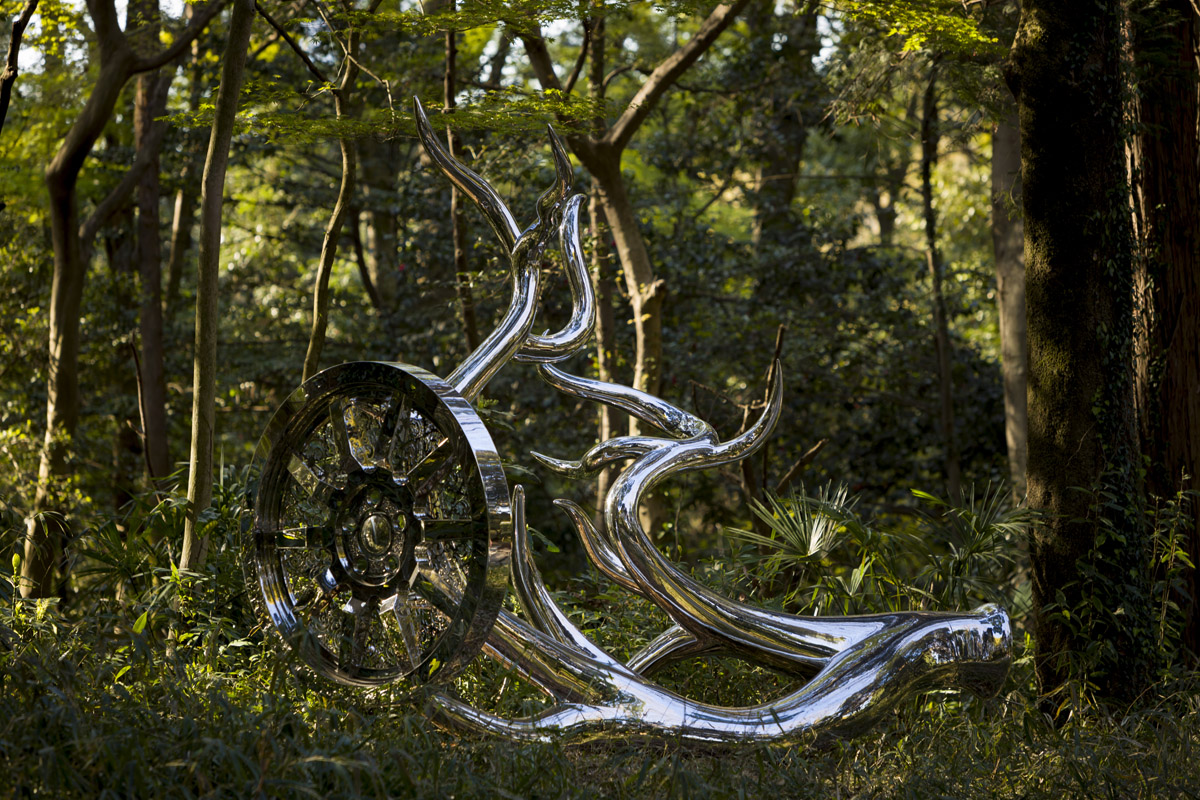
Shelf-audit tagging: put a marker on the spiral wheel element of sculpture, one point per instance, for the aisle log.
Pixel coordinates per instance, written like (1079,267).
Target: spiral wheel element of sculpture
(379,487)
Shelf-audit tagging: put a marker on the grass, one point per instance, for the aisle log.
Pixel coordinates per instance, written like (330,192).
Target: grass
(227,716)
(97,701)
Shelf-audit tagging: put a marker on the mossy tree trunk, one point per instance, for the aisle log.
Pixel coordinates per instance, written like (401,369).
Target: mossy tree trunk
(1088,554)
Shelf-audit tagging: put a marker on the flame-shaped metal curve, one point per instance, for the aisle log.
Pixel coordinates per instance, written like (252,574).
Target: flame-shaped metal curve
(558,212)
(858,666)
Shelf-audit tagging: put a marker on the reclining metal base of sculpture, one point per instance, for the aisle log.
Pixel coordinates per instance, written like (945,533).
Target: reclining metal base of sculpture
(385,533)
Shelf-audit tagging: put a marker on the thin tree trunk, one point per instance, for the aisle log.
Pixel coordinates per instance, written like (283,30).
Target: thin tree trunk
(458,218)
(792,86)
(182,220)
(603,276)
(360,258)
(941,335)
(188,194)
(47,527)
(333,231)
(604,280)
(204,379)
(152,385)
(120,369)
(379,161)
(646,292)
(1008,247)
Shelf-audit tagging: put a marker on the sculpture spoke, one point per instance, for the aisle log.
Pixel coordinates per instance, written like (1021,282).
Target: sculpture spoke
(311,479)
(398,408)
(399,616)
(341,436)
(307,537)
(431,472)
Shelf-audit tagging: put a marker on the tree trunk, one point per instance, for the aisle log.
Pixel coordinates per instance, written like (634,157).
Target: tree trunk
(47,527)
(1088,554)
(152,386)
(119,367)
(1008,247)
(1168,279)
(792,85)
(646,292)
(933,255)
(458,218)
(188,193)
(601,156)
(604,279)
(204,379)
(378,161)
(603,276)
(333,231)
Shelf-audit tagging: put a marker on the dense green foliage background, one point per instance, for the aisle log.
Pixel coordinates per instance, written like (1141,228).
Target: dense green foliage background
(137,679)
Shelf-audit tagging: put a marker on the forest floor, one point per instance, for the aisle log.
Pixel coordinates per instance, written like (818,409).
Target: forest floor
(106,706)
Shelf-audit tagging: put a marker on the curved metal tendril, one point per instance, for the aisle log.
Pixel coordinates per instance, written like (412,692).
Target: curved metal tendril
(558,213)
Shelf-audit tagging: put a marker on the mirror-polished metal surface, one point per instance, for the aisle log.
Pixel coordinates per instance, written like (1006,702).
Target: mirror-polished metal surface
(374,479)
(346,522)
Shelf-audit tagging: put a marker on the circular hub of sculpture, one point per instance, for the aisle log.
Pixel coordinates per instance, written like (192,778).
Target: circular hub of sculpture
(382,525)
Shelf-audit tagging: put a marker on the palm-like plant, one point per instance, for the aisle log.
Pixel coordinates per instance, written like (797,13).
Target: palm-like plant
(833,560)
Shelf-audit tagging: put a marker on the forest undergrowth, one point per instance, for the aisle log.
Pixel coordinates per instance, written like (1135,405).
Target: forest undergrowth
(142,682)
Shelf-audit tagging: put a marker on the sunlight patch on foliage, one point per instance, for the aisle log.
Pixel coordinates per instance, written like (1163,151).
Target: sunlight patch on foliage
(939,25)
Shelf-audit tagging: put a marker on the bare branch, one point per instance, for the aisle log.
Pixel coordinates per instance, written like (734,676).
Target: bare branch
(145,157)
(9,77)
(299,51)
(803,462)
(182,42)
(579,62)
(668,72)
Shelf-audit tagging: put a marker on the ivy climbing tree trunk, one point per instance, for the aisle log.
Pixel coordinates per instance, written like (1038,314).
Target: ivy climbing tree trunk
(204,376)
(1088,554)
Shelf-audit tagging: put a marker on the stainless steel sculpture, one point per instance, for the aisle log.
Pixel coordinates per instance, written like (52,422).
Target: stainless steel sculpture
(385,531)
